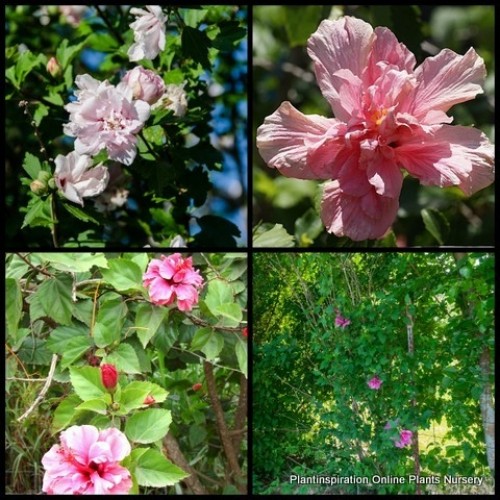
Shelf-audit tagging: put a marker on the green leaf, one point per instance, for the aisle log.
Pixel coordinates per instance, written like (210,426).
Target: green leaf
(201,337)
(231,314)
(123,274)
(229,36)
(96,405)
(75,262)
(300,22)
(87,382)
(33,351)
(65,54)
(436,223)
(209,342)
(141,259)
(216,231)
(40,113)
(54,295)
(308,228)
(59,337)
(147,321)
(148,426)
(79,213)
(32,165)
(14,306)
(109,323)
(274,237)
(38,213)
(219,292)
(26,63)
(153,469)
(195,45)
(134,394)
(64,413)
(242,356)
(125,359)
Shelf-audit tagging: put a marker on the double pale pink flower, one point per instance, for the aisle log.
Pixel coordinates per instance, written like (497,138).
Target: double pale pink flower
(149,33)
(389,116)
(87,463)
(106,117)
(375,383)
(173,278)
(75,178)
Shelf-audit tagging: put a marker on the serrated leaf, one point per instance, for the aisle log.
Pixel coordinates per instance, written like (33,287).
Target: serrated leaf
(14,309)
(153,469)
(95,405)
(54,295)
(218,292)
(195,45)
(75,262)
(79,213)
(87,383)
(147,321)
(134,394)
(230,313)
(38,213)
(242,356)
(229,36)
(125,359)
(436,223)
(274,237)
(123,274)
(109,323)
(148,426)
(64,413)
(32,165)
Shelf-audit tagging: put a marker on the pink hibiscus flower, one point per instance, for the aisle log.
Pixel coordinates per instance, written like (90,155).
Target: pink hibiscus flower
(375,383)
(106,117)
(404,439)
(149,33)
(341,321)
(173,278)
(389,116)
(86,463)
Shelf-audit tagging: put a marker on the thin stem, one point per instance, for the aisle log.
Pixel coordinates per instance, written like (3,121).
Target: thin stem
(200,322)
(37,269)
(53,216)
(204,359)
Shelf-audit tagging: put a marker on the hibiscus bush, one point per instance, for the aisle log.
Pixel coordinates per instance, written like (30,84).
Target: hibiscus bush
(125,125)
(399,381)
(126,373)
(365,101)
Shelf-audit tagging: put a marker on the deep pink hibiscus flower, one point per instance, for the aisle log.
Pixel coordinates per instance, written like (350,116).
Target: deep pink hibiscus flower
(375,383)
(173,278)
(86,463)
(404,439)
(389,116)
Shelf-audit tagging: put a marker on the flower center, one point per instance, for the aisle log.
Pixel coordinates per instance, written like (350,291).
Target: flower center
(378,116)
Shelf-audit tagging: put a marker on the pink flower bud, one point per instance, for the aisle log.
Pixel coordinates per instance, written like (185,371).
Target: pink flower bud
(109,377)
(145,84)
(196,387)
(149,400)
(53,67)
(244,332)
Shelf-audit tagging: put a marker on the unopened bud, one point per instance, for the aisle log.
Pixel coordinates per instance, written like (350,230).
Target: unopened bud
(44,176)
(38,187)
(53,67)
(115,406)
(109,377)
(52,183)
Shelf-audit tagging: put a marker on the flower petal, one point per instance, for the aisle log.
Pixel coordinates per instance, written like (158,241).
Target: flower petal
(447,79)
(336,45)
(287,136)
(359,218)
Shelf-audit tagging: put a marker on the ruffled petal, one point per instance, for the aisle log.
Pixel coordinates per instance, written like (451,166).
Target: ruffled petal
(287,136)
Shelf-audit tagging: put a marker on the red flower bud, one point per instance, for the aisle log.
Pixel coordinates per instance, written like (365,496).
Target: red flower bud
(109,377)
(149,400)
(196,387)
(244,332)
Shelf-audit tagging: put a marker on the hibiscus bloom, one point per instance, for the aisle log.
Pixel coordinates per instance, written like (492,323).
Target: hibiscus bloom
(146,85)
(86,463)
(106,117)
(375,383)
(172,279)
(149,33)
(341,321)
(389,116)
(404,439)
(76,179)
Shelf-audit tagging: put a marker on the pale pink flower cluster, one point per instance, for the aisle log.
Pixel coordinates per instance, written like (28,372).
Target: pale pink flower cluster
(75,178)
(173,278)
(389,116)
(87,463)
(106,117)
(174,98)
(375,383)
(149,33)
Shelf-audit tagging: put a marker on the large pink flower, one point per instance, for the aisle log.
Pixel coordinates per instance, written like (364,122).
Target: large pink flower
(86,463)
(389,116)
(173,278)
(149,33)
(106,117)
(404,439)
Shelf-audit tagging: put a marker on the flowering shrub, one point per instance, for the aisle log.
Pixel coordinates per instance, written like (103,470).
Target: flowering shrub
(146,88)
(119,369)
(391,122)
